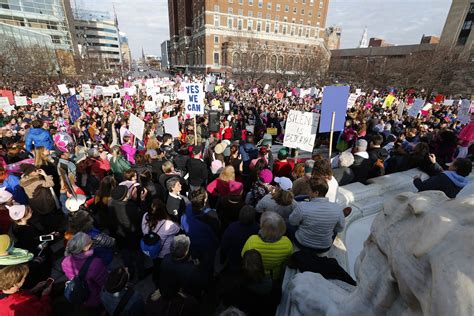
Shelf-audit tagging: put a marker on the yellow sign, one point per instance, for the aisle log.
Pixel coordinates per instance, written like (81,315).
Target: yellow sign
(388,101)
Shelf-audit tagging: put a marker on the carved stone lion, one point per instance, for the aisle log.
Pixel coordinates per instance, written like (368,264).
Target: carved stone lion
(418,260)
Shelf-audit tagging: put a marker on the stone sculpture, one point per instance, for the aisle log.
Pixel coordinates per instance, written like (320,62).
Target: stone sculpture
(418,260)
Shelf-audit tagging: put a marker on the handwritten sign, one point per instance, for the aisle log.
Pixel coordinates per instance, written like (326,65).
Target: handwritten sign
(388,101)
(21,101)
(464,112)
(63,89)
(171,126)
(300,130)
(150,106)
(352,100)
(416,107)
(137,126)
(401,107)
(194,102)
(334,100)
(4,102)
(74,110)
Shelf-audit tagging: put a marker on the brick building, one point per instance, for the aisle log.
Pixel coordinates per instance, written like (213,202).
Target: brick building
(246,36)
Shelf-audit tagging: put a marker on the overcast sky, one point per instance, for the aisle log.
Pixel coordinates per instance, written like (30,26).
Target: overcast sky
(397,21)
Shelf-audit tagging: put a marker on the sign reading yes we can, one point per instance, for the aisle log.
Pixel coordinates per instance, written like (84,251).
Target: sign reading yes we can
(300,130)
(194,102)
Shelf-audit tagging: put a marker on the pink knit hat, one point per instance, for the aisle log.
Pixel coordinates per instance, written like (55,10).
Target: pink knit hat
(266,176)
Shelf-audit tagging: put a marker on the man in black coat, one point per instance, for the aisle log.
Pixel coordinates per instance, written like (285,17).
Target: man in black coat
(361,165)
(197,169)
(343,173)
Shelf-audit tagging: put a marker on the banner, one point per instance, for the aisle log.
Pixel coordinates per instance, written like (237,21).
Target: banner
(300,130)
(72,91)
(74,110)
(464,112)
(8,94)
(334,100)
(137,126)
(21,101)
(171,126)
(388,101)
(63,89)
(194,103)
(448,102)
(416,107)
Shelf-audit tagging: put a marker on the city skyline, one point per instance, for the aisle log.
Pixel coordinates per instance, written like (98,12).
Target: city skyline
(146,21)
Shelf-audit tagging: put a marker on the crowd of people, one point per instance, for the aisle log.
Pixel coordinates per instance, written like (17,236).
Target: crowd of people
(214,215)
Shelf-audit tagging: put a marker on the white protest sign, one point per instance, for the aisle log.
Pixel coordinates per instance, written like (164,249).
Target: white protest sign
(72,91)
(266,87)
(401,107)
(149,83)
(194,102)
(36,101)
(416,107)
(21,101)
(150,106)
(132,90)
(427,107)
(63,89)
(300,130)
(352,100)
(137,126)
(98,90)
(171,126)
(117,100)
(108,91)
(227,107)
(231,87)
(448,102)
(166,99)
(4,102)
(464,112)
(358,91)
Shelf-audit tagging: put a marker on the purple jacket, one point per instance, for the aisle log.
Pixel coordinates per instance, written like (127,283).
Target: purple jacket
(129,153)
(95,277)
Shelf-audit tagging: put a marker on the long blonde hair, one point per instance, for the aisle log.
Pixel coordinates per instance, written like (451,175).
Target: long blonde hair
(227,174)
(41,158)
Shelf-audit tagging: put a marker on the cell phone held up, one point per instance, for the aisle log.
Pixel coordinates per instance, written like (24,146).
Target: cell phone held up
(46,237)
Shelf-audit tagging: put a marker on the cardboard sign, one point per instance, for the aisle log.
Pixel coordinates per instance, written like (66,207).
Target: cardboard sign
(416,107)
(137,126)
(8,94)
(74,110)
(352,100)
(272,131)
(388,101)
(4,102)
(21,101)
(300,130)
(108,91)
(401,107)
(72,91)
(150,106)
(63,89)
(464,112)
(171,126)
(448,102)
(334,100)
(194,102)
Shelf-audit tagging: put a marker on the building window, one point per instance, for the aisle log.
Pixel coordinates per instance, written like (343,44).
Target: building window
(278,7)
(321,4)
(319,14)
(240,24)
(241,12)
(285,19)
(241,2)
(216,8)
(303,1)
(292,33)
(230,23)
(250,2)
(277,28)
(269,5)
(216,39)
(250,14)
(300,32)
(284,29)
(277,18)
(250,25)
(230,1)
(294,10)
(307,32)
(287,8)
(260,3)
(259,26)
(267,27)
(217,21)
(216,59)
(268,16)
(302,11)
(311,2)
(230,11)
(259,15)
(310,13)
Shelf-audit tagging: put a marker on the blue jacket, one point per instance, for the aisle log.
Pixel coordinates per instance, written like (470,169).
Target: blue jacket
(38,137)
(202,236)
(12,184)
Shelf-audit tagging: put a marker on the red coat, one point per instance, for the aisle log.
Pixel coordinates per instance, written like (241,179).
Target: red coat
(25,304)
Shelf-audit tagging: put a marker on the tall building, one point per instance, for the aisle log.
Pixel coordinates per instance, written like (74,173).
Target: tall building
(98,37)
(243,36)
(126,52)
(457,32)
(165,55)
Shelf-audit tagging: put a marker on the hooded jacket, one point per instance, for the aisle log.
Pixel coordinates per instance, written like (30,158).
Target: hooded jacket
(449,182)
(38,137)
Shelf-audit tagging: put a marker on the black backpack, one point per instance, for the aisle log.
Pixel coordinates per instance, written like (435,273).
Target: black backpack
(77,290)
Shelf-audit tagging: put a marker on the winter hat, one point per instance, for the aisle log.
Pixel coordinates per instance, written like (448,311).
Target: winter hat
(283,154)
(284,183)
(362,144)
(267,140)
(263,150)
(119,193)
(219,149)
(27,168)
(74,203)
(16,212)
(216,166)
(266,176)
(5,196)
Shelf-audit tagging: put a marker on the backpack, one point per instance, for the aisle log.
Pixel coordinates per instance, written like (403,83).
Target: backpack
(151,244)
(77,290)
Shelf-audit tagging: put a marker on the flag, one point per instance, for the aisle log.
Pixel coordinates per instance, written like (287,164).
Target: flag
(74,110)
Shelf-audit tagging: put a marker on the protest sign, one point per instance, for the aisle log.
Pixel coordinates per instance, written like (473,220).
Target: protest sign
(300,130)
(36,100)
(117,101)
(108,91)
(334,100)
(416,107)
(171,126)
(194,103)
(427,107)
(352,100)
(72,91)
(358,91)
(74,110)
(401,107)
(448,102)
(388,101)
(137,126)
(8,94)
(150,106)
(21,101)
(4,102)
(266,87)
(210,87)
(98,90)
(464,112)
(63,89)
(226,107)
